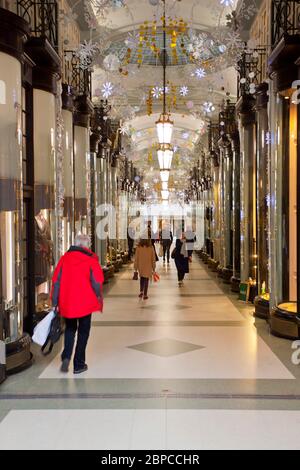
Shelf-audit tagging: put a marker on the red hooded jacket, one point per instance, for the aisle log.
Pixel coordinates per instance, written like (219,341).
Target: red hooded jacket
(77,284)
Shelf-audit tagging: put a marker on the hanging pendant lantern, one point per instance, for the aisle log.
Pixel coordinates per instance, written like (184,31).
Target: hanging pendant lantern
(165,175)
(165,156)
(164,128)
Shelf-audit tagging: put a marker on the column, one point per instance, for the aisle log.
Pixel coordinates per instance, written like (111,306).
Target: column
(248,192)
(101,240)
(82,183)
(14,344)
(68,168)
(236,213)
(263,199)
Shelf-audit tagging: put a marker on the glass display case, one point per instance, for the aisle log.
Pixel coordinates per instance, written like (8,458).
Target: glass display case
(81,165)
(263,201)
(11,200)
(236,213)
(247,131)
(68,181)
(44,198)
(283,215)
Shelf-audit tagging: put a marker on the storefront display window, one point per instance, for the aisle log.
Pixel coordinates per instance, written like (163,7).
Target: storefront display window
(44,199)
(81,157)
(283,256)
(11,205)
(68,213)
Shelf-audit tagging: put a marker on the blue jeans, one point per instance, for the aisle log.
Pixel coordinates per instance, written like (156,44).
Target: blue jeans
(83,327)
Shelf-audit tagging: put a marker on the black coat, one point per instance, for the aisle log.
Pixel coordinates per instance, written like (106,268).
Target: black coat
(182,263)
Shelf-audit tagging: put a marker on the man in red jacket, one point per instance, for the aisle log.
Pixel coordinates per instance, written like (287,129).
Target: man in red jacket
(77,292)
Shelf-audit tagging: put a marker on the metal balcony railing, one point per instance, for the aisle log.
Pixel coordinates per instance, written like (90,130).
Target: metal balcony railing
(42,17)
(251,70)
(285,19)
(80,79)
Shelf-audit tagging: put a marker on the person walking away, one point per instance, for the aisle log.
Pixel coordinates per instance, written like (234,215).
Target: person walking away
(144,264)
(166,239)
(130,238)
(77,293)
(183,257)
(153,238)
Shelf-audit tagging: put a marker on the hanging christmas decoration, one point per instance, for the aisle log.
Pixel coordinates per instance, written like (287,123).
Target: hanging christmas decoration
(184,91)
(208,107)
(107,90)
(227,3)
(111,63)
(86,53)
(157,92)
(199,73)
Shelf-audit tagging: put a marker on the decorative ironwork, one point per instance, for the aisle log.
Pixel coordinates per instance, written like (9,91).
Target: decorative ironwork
(42,17)
(285,19)
(78,78)
(251,70)
(227,119)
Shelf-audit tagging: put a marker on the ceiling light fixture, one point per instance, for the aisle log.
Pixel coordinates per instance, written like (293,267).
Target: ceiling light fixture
(164,125)
(164,176)
(165,156)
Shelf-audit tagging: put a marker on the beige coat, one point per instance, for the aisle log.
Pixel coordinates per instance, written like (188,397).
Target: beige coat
(145,261)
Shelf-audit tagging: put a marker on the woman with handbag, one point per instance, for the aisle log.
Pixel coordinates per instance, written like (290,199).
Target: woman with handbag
(144,265)
(182,256)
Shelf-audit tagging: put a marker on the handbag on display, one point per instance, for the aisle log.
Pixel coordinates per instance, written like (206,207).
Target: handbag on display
(135,276)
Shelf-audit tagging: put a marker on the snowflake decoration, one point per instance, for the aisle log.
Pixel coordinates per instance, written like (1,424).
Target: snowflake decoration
(107,90)
(248,10)
(208,107)
(233,40)
(132,40)
(101,7)
(199,73)
(86,52)
(184,91)
(124,129)
(227,3)
(157,91)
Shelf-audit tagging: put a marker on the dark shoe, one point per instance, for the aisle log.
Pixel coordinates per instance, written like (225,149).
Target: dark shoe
(81,370)
(65,366)
(146,297)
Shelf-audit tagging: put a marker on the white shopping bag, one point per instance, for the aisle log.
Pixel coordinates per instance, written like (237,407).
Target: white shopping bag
(41,331)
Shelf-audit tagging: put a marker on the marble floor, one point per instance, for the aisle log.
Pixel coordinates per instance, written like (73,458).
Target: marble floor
(188,369)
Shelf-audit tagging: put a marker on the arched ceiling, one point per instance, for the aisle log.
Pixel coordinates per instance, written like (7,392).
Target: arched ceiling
(131,90)
(201,14)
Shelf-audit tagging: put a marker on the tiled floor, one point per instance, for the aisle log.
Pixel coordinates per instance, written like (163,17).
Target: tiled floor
(193,367)
(150,429)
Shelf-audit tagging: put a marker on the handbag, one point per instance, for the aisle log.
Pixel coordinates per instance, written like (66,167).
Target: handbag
(135,276)
(156,277)
(41,331)
(54,335)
